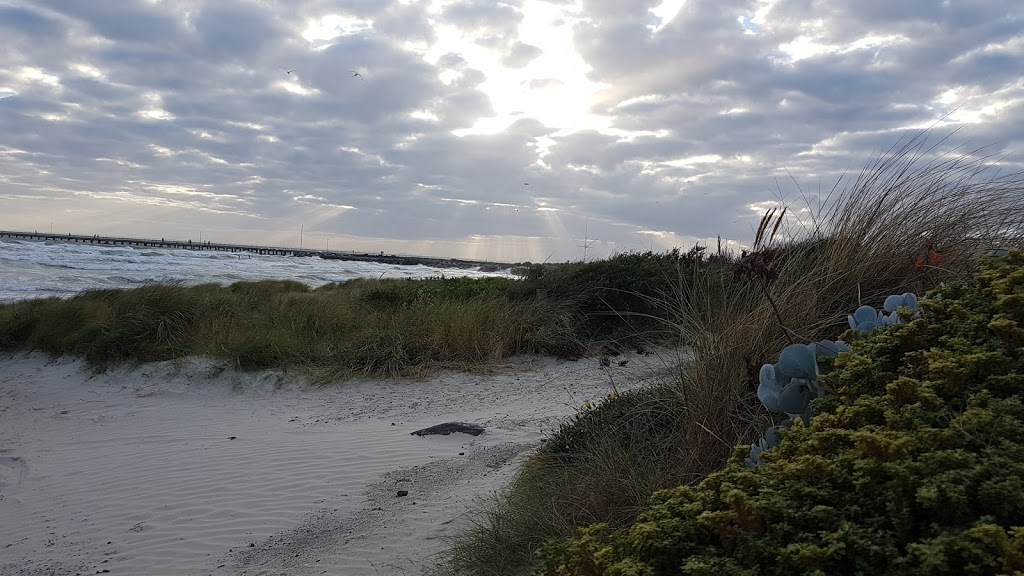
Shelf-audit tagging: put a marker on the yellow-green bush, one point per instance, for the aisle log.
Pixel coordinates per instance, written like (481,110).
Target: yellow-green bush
(914,467)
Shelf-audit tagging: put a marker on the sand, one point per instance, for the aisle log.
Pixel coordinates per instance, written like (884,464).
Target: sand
(187,468)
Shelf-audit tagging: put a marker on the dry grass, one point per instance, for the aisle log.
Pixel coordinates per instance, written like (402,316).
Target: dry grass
(857,245)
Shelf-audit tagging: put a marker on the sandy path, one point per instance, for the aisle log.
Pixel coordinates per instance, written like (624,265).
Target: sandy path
(185,468)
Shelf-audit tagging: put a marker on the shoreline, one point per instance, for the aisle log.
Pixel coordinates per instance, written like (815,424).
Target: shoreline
(188,468)
(342,255)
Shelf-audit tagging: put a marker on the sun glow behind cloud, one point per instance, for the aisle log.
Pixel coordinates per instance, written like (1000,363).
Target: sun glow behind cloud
(553,88)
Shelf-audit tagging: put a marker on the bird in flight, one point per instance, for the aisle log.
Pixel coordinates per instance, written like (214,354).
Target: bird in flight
(354,74)
(287,71)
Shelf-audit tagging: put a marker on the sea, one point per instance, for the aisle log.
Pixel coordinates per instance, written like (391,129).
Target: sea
(38,269)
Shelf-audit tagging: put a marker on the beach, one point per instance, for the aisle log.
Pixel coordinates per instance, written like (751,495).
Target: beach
(187,467)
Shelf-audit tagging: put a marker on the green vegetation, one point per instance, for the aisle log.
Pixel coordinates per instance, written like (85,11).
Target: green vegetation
(914,467)
(601,467)
(363,326)
(336,331)
(807,272)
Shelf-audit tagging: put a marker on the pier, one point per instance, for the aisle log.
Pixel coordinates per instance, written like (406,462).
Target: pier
(253,249)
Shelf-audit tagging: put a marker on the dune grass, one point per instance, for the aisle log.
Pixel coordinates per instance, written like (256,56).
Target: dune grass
(362,327)
(814,264)
(382,327)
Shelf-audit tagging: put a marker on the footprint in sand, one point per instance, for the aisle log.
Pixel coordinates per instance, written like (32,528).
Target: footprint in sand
(13,470)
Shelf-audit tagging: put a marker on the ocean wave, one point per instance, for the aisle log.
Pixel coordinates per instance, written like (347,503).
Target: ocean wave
(38,268)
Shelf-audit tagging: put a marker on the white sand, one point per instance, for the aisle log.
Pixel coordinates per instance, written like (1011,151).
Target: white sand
(136,472)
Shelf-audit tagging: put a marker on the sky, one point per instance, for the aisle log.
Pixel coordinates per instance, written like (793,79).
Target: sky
(521,130)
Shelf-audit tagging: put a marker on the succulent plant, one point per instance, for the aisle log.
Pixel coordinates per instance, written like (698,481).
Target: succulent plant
(770,440)
(866,318)
(830,349)
(789,385)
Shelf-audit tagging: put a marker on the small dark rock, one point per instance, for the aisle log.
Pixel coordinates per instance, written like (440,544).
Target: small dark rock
(402,493)
(252,544)
(232,437)
(462,453)
(450,427)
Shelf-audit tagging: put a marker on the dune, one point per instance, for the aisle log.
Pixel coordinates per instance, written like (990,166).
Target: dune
(185,467)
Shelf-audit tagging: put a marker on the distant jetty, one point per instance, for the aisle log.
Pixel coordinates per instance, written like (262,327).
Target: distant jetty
(265,250)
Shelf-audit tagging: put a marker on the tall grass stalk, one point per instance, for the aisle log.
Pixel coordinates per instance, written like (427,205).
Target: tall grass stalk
(857,246)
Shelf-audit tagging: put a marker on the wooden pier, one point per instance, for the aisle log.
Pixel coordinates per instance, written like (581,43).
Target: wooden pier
(253,249)
(156,243)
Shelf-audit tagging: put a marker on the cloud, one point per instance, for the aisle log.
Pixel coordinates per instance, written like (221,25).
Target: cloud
(505,130)
(28,23)
(521,54)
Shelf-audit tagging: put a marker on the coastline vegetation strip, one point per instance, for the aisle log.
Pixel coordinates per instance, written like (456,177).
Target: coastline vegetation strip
(909,221)
(385,327)
(362,327)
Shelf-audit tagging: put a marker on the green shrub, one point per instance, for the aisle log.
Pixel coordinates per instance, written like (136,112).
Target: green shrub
(638,415)
(600,467)
(914,467)
(392,294)
(627,282)
(623,298)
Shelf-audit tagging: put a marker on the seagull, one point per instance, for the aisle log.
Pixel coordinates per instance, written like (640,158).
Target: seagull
(354,74)
(287,71)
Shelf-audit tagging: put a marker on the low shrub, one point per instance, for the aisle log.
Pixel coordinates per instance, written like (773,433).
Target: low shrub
(391,294)
(914,467)
(634,416)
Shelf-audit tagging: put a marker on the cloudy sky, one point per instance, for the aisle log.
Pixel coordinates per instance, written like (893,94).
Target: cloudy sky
(501,130)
